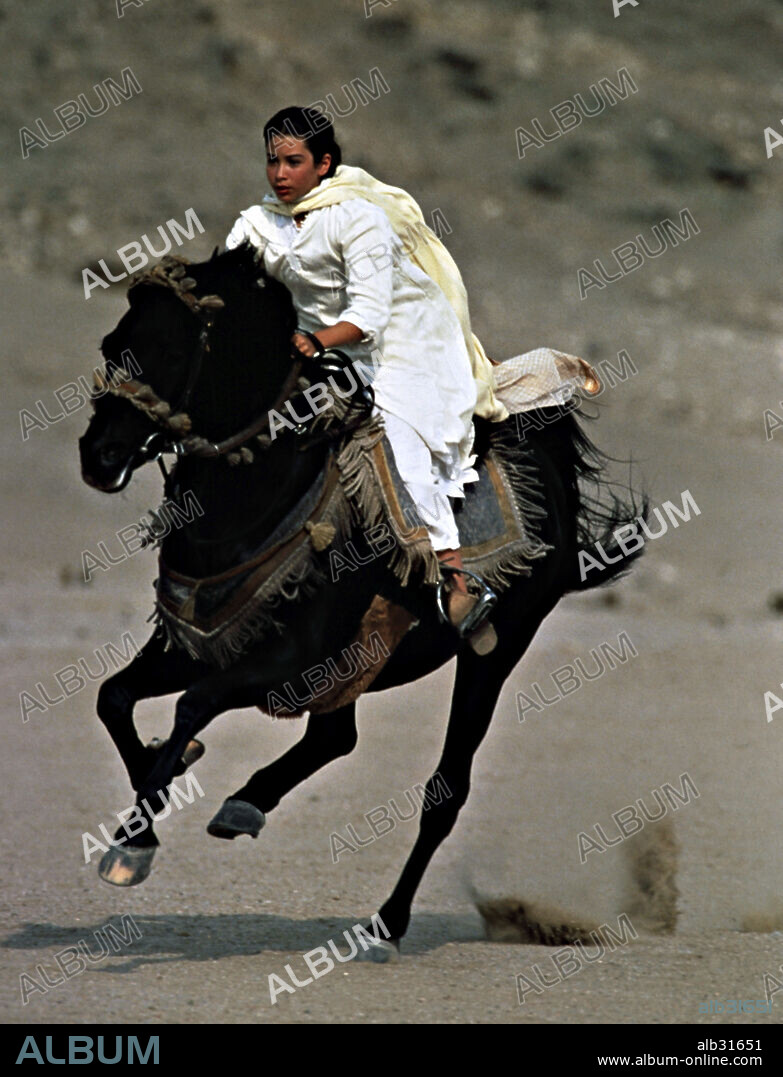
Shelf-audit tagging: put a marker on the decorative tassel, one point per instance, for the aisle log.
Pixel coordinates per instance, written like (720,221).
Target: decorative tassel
(321,535)
(180,423)
(188,609)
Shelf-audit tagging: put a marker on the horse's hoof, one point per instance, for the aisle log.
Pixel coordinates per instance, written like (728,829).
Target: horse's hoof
(380,952)
(193,752)
(236,817)
(127,866)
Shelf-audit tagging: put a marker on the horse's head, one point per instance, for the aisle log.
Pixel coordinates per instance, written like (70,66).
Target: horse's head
(202,350)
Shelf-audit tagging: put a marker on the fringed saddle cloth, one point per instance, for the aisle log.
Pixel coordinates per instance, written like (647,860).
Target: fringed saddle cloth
(217,619)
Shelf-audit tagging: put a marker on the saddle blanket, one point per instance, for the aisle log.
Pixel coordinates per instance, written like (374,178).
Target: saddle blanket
(495,520)
(218,618)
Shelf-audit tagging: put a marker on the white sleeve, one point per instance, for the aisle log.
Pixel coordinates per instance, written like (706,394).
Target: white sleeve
(244,230)
(365,241)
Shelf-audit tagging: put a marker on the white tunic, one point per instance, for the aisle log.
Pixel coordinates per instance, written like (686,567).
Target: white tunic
(346,264)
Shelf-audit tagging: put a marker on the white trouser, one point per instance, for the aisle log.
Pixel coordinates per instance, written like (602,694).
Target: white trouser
(420,473)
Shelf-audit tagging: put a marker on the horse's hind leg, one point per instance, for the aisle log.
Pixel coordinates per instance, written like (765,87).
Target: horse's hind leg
(476,690)
(153,672)
(327,737)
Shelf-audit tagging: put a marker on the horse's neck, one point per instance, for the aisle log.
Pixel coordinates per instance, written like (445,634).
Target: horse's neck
(246,358)
(229,511)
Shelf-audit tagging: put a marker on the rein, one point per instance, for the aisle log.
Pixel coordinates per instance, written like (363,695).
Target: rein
(171,274)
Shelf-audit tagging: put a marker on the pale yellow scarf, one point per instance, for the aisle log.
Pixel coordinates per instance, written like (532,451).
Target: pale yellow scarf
(429,254)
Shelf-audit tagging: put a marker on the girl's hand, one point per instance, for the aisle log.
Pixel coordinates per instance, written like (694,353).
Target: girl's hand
(303,344)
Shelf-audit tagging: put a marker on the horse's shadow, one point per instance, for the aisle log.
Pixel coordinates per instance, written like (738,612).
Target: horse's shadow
(197,937)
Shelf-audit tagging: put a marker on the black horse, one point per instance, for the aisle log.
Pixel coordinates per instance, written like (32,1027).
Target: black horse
(225,352)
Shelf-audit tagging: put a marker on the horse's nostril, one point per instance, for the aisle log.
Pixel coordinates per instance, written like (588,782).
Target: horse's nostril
(109,455)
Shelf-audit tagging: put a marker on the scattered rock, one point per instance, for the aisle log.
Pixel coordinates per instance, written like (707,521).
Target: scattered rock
(544,182)
(730,175)
(69,575)
(458,61)
(465,69)
(205,15)
(391,27)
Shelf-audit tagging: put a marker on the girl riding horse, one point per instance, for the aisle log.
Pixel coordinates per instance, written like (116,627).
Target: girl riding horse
(331,234)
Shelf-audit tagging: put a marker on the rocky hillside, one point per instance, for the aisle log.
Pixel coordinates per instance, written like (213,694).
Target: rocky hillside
(453,94)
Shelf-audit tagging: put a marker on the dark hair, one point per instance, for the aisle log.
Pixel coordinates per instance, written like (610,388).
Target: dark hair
(312,127)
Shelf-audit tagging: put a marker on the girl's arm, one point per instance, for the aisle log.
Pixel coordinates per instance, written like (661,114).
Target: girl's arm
(332,337)
(362,236)
(364,239)
(244,230)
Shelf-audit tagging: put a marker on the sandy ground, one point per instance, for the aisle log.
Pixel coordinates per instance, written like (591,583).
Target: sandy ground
(218,918)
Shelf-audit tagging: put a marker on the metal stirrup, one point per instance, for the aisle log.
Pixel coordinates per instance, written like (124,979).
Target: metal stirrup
(486,601)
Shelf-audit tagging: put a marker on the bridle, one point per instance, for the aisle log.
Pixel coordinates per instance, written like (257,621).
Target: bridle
(177,436)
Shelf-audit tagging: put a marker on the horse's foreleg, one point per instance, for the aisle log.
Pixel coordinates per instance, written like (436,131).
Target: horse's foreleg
(129,862)
(327,737)
(153,672)
(213,693)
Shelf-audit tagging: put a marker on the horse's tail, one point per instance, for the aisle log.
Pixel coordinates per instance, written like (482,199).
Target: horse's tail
(600,513)
(594,503)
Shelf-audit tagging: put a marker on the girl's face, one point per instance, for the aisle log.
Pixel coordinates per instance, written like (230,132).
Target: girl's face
(290,168)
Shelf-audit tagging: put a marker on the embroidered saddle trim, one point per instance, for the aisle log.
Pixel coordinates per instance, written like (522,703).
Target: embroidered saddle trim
(217,618)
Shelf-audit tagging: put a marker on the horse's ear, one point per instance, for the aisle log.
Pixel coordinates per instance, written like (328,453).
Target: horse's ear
(139,291)
(134,295)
